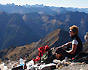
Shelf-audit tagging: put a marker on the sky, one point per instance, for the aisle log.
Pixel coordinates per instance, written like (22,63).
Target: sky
(57,3)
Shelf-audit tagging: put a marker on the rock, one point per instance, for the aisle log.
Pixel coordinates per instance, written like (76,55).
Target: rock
(3,67)
(84,68)
(85,47)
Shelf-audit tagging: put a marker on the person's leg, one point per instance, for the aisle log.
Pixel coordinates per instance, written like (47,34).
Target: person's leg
(62,53)
(58,56)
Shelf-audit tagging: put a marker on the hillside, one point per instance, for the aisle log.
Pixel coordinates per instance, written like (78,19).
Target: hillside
(53,39)
(15,32)
(47,23)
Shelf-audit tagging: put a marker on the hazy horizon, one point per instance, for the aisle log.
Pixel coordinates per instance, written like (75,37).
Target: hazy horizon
(56,3)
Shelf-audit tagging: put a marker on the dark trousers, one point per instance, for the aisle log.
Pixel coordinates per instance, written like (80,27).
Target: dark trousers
(64,53)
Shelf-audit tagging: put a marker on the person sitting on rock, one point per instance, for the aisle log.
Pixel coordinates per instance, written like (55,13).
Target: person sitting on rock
(76,45)
(86,37)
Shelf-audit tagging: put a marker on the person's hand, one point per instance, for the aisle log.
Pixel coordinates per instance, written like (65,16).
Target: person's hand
(53,50)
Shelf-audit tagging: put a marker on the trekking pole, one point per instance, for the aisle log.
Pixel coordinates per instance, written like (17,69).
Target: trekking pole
(40,57)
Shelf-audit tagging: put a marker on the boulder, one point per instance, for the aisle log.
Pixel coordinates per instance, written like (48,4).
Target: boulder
(85,47)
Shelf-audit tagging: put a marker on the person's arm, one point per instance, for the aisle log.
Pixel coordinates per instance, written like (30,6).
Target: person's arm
(85,37)
(67,44)
(74,48)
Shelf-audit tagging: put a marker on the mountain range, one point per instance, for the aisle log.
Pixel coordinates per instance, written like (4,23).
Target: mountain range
(41,9)
(20,29)
(14,31)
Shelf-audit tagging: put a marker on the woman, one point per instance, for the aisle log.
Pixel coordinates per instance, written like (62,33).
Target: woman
(76,45)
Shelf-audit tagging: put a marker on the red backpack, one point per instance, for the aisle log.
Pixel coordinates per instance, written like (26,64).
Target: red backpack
(41,50)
